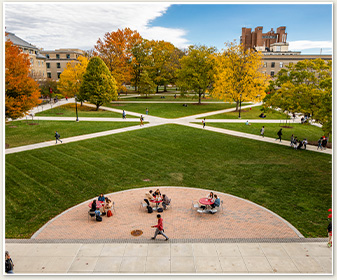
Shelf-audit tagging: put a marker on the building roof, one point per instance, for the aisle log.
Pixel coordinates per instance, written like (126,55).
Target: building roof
(19,42)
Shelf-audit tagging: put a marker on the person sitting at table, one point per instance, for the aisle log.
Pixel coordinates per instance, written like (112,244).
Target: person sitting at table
(148,197)
(93,206)
(157,193)
(166,201)
(210,196)
(107,205)
(216,201)
(101,198)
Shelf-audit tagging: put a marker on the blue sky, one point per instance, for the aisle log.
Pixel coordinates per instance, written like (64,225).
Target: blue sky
(52,25)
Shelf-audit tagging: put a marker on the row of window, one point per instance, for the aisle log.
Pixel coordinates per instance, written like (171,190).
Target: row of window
(49,75)
(273,64)
(58,65)
(272,73)
(39,62)
(58,56)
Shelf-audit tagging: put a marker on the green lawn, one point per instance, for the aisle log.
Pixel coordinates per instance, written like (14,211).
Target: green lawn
(296,186)
(301,131)
(250,113)
(69,110)
(171,110)
(158,98)
(21,133)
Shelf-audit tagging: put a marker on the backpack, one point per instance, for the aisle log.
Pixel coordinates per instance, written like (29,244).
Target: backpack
(109,213)
(160,210)
(149,209)
(99,219)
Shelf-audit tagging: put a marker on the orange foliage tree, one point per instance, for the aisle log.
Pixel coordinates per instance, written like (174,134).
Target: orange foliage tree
(21,91)
(115,49)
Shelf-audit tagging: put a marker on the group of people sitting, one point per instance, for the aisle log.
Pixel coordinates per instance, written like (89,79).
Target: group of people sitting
(154,197)
(298,144)
(262,115)
(106,205)
(214,199)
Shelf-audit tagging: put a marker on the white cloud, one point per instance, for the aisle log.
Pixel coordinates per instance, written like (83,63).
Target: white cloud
(304,45)
(79,25)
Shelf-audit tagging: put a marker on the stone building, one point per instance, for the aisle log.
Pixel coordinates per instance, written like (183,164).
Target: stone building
(37,60)
(57,60)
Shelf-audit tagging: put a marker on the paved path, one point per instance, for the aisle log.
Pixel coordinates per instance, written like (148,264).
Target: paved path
(201,258)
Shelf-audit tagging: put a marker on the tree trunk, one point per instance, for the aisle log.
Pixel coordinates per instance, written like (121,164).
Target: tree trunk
(81,103)
(157,89)
(97,106)
(200,98)
(237,105)
(165,90)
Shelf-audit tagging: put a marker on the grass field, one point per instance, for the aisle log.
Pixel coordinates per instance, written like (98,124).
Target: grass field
(171,110)
(39,183)
(301,131)
(158,98)
(21,133)
(252,113)
(69,110)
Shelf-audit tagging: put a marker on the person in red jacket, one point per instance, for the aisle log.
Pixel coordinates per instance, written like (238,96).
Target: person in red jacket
(159,228)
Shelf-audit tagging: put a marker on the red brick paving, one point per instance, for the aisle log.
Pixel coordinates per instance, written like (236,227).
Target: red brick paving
(239,219)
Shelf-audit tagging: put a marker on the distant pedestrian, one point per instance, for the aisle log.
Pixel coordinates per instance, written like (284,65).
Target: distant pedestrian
(159,228)
(262,131)
(279,134)
(175,96)
(330,234)
(204,122)
(67,98)
(324,142)
(141,120)
(320,143)
(9,265)
(305,142)
(57,136)
(124,115)
(292,140)
(147,111)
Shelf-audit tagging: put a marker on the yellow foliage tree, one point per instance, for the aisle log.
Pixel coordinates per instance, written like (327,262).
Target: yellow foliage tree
(237,75)
(72,77)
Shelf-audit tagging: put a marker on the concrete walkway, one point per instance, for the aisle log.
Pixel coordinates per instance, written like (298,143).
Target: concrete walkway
(175,258)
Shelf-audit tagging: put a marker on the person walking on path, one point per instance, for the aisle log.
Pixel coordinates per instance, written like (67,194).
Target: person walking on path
(9,266)
(204,122)
(141,120)
(292,140)
(159,228)
(262,131)
(330,234)
(279,134)
(324,143)
(57,136)
(320,143)
(124,115)
(147,111)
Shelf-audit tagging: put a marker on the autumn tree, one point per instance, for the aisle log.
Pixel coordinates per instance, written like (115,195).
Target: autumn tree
(115,49)
(49,87)
(237,75)
(305,87)
(196,73)
(146,85)
(98,86)
(21,91)
(72,77)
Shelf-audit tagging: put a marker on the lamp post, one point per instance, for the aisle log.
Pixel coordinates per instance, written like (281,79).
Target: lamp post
(240,107)
(76,107)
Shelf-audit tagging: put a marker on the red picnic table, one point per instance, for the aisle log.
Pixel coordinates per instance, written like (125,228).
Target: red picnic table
(157,202)
(206,201)
(99,204)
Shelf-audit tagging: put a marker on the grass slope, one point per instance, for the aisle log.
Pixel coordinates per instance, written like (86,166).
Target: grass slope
(250,113)
(69,110)
(171,110)
(42,183)
(20,133)
(301,131)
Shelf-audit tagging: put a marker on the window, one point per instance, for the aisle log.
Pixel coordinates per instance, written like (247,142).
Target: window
(58,75)
(48,65)
(48,75)
(272,73)
(58,65)
(265,64)
(57,56)
(278,48)
(47,55)
(39,63)
(281,64)
(31,61)
(68,56)
(272,64)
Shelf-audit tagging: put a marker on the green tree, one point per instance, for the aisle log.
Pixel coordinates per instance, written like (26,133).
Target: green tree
(146,85)
(98,85)
(305,87)
(237,76)
(196,73)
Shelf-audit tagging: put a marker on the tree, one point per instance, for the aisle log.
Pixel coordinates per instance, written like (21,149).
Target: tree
(237,77)
(116,51)
(196,73)
(98,85)
(48,88)
(305,87)
(146,85)
(72,77)
(21,91)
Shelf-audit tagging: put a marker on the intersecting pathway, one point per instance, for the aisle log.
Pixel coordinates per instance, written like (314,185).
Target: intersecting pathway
(154,121)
